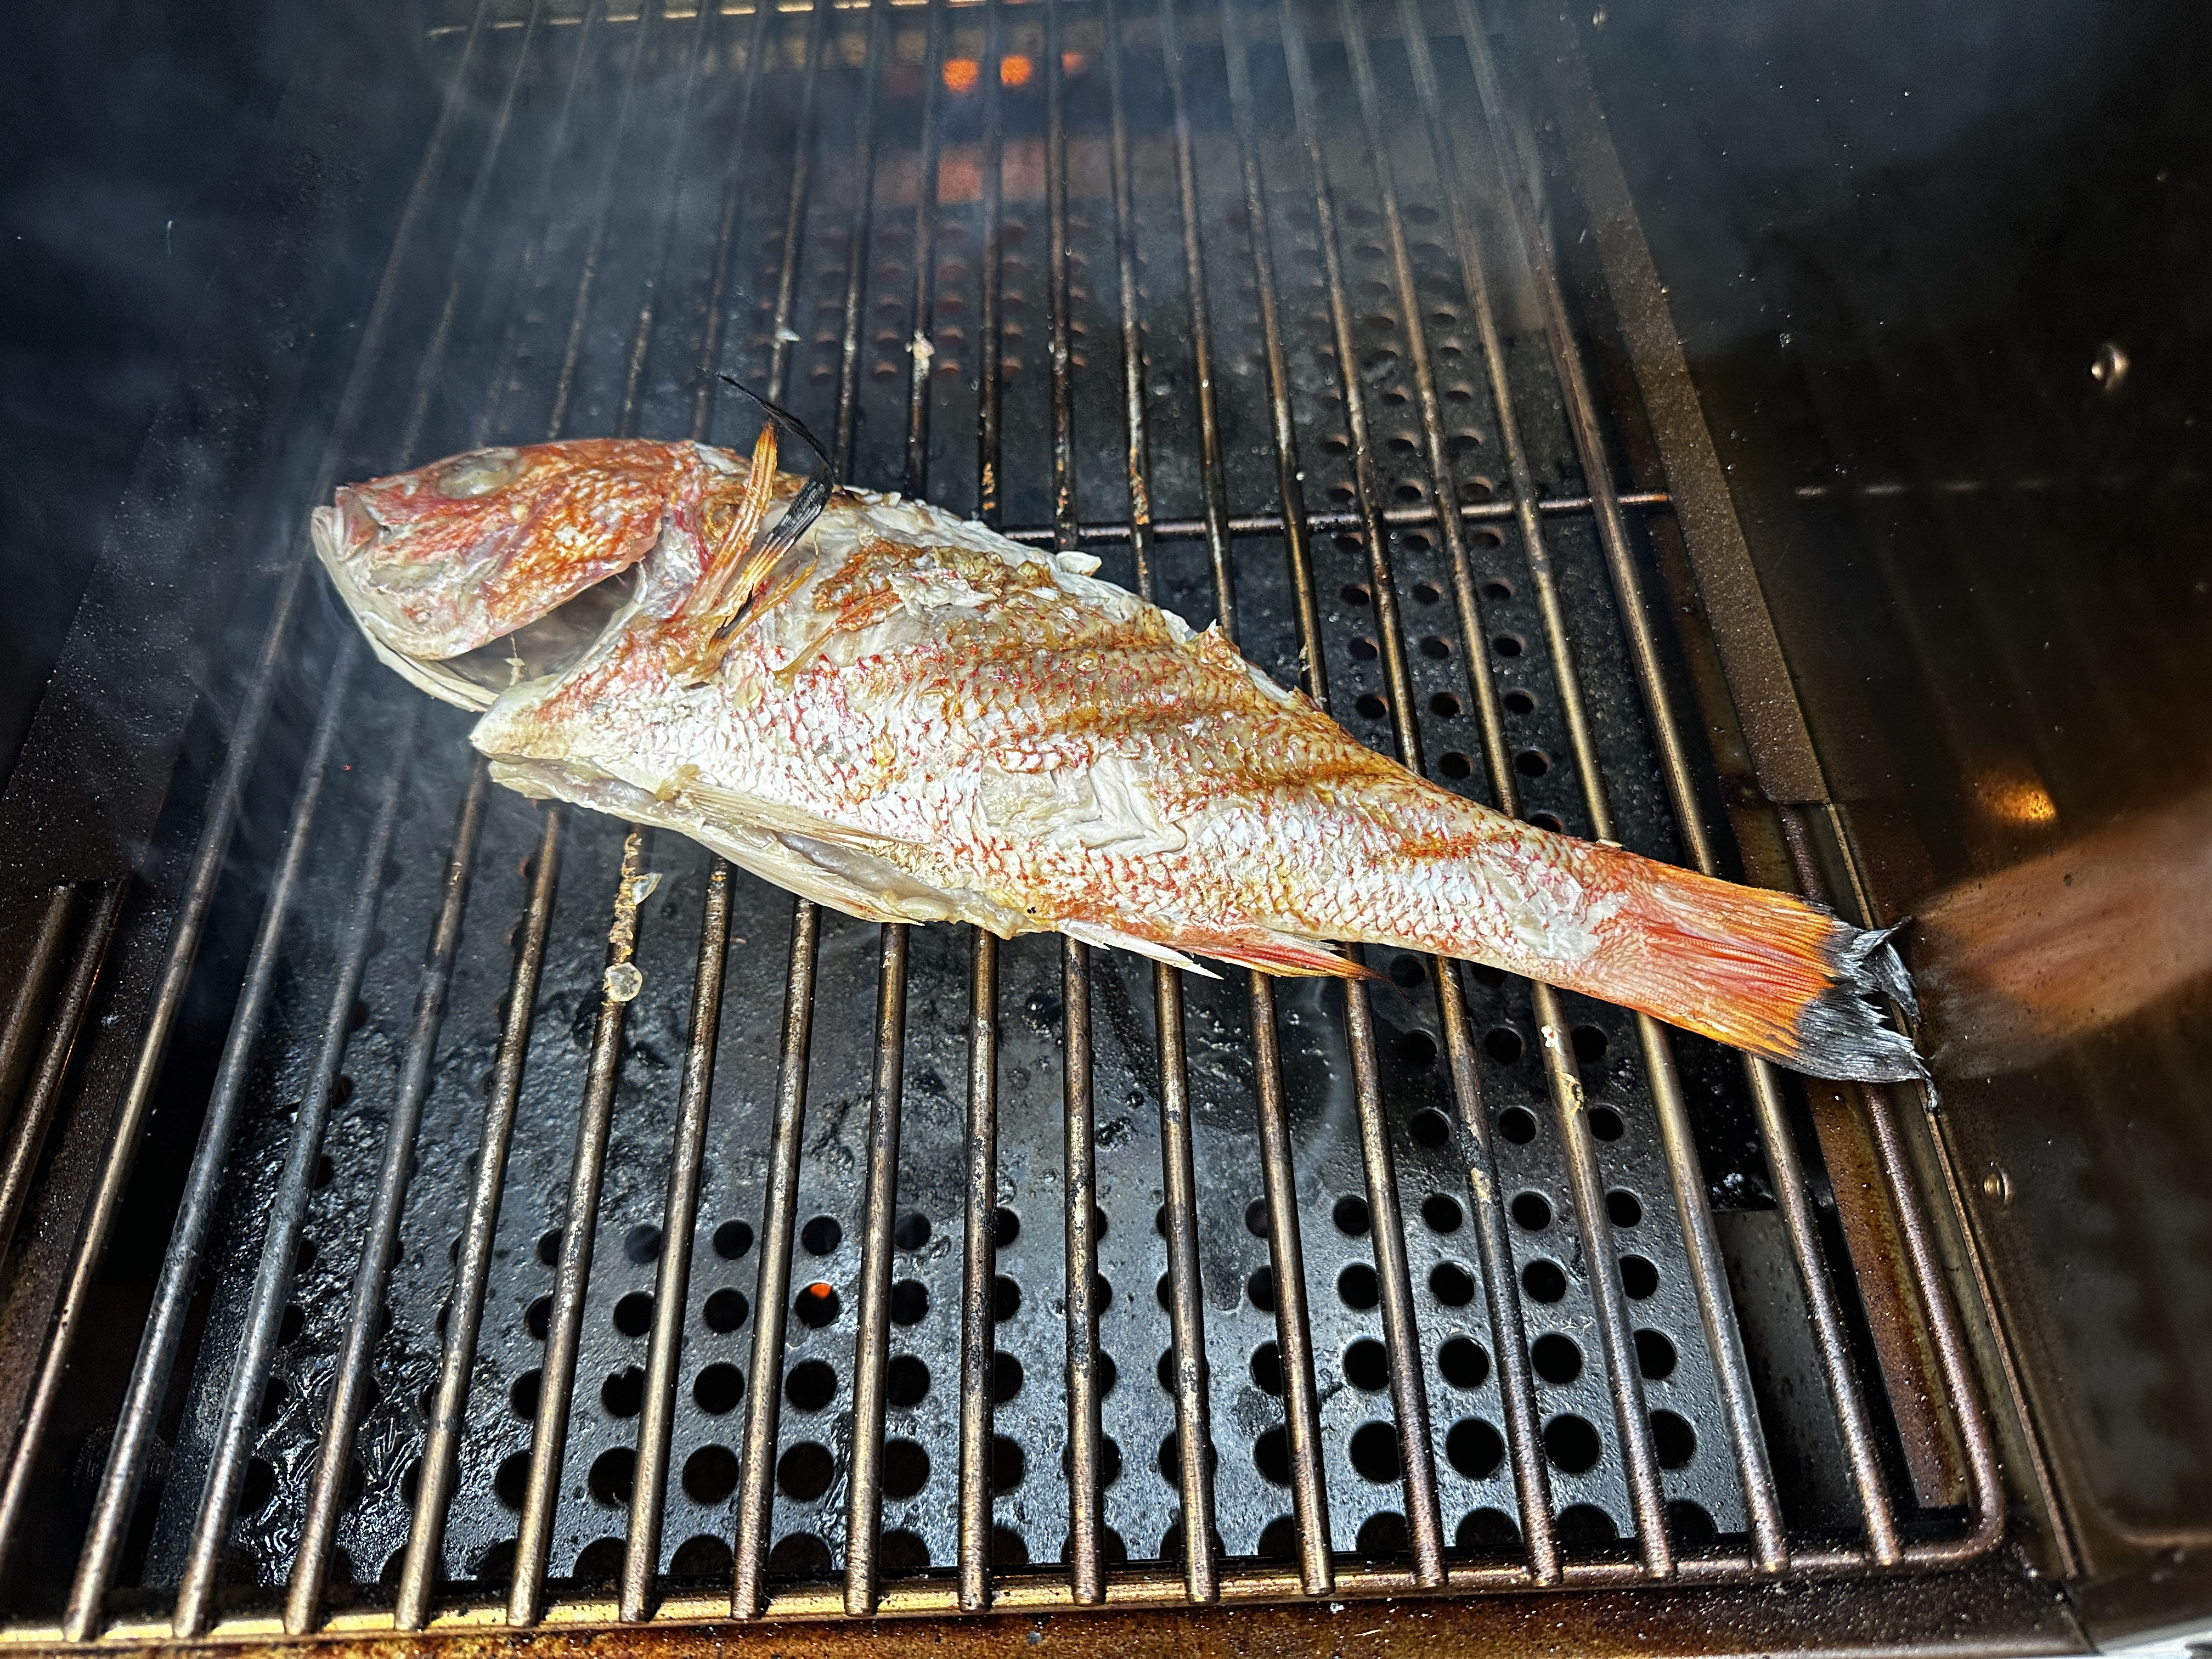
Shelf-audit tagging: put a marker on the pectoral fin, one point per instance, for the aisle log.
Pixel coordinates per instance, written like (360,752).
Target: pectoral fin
(732,807)
(1091,933)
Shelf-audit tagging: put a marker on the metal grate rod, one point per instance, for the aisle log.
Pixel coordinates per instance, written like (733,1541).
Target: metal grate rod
(1137,452)
(381,1239)
(979,1240)
(1213,487)
(856,247)
(1401,1333)
(734,177)
(1185,1296)
(465,254)
(164,1328)
(990,319)
(1509,1338)
(26,1136)
(18,1039)
(772,1292)
(549,171)
(1623,1374)
(1285,1254)
(421,1569)
(1179,1182)
(756,1472)
(1984,1474)
(1086,1575)
(921,337)
(671,1281)
(671,180)
(864,1481)
(783,337)
(863,1485)
(564,384)
(1066,533)
(1828,1333)
(549,1439)
(1085,1495)
(980,1227)
(194,1608)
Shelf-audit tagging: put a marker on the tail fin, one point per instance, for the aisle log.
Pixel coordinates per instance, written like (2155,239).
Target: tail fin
(1764,971)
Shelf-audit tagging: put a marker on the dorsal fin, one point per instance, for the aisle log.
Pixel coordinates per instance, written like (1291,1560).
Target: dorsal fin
(724,596)
(821,478)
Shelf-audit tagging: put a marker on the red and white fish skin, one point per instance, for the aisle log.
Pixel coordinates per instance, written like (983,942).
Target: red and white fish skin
(918,720)
(453,557)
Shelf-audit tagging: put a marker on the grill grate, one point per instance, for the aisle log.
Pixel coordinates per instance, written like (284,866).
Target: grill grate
(941,1273)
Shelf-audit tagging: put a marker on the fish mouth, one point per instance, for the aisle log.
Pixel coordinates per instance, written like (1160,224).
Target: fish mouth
(551,646)
(354,528)
(346,535)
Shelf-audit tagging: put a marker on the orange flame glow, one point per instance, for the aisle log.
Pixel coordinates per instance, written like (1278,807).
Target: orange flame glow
(961,74)
(1015,71)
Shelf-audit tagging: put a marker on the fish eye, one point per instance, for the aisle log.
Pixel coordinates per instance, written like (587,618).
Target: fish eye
(477,473)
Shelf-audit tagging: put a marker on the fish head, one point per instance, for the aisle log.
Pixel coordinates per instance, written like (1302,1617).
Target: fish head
(497,564)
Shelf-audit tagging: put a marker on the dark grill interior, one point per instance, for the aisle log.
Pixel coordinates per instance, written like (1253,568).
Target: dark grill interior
(1512,1356)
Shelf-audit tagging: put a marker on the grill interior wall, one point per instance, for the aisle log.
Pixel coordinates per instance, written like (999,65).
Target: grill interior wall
(568,278)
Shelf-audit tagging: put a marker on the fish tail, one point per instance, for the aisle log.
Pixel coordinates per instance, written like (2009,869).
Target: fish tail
(1764,971)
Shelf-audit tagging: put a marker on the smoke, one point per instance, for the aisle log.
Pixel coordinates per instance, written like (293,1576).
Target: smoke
(145,183)
(105,223)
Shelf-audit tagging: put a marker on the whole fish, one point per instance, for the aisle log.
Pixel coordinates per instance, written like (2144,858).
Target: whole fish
(909,718)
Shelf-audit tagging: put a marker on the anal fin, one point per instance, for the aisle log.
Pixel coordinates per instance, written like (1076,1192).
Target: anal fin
(1285,955)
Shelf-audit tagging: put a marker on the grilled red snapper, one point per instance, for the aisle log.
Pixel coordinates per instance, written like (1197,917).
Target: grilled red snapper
(909,718)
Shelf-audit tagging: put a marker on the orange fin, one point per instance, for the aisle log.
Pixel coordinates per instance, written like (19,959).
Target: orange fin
(1287,957)
(1765,971)
(733,570)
